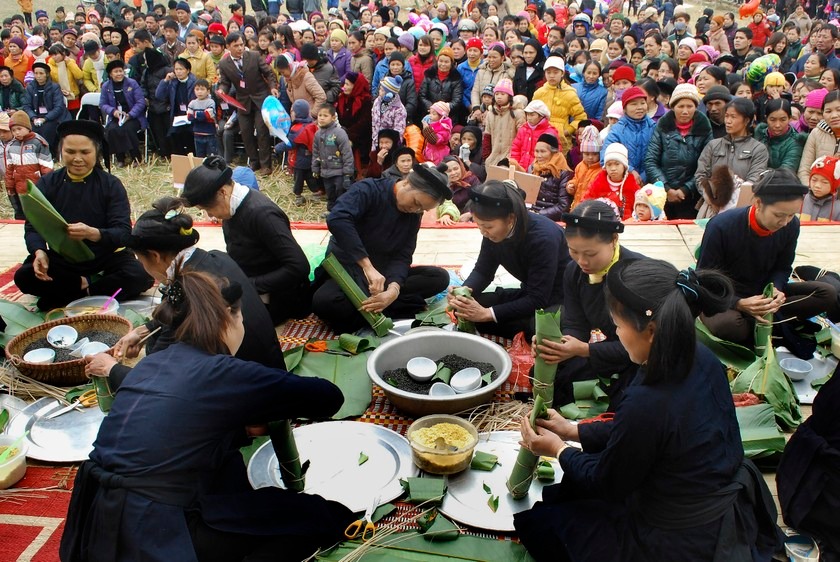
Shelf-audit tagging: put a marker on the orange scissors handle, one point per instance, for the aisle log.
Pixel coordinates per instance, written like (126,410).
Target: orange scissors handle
(88,398)
(361,529)
(316,346)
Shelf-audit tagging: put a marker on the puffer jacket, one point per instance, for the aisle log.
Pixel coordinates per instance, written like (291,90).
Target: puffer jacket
(15,93)
(785,150)
(566,110)
(486,76)
(74,74)
(324,72)
(821,142)
(553,199)
(719,41)
(672,159)
(340,61)
(28,159)
(585,175)
(419,68)
(745,157)
(387,116)
(332,154)
(303,86)
(634,134)
(434,153)
(593,97)
(408,94)
(500,128)
(522,149)
(468,75)
(433,89)
(133,95)
(820,210)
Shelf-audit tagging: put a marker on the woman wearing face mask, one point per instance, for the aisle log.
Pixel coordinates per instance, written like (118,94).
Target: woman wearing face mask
(783,142)
(178,88)
(531,247)
(529,76)
(592,94)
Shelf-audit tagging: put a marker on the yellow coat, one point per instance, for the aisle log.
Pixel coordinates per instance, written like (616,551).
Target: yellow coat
(566,110)
(202,65)
(91,76)
(74,74)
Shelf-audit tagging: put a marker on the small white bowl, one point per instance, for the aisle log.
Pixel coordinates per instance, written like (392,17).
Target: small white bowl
(421,369)
(466,380)
(93,348)
(40,356)
(441,389)
(796,369)
(63,336)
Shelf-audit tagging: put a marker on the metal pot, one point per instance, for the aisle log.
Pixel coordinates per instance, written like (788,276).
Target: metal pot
(435,344)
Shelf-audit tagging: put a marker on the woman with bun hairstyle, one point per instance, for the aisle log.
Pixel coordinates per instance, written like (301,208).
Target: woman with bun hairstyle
(163,238)
(165,480)
(258,237)
(672,477)
(531,247)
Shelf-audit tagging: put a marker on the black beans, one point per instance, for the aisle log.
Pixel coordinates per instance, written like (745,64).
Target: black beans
(402,380)
(63,354)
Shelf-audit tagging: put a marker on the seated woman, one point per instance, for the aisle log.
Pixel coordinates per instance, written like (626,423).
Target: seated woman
(404,161)
(45,105)
(135,499)
(162,239)
(549,163)
(11,91)
(676,425)
(808,477)
(592,234)
(123,104)
(531,247)
(461,180)
(374,230)
(95,205)
(258,237)
(755,246)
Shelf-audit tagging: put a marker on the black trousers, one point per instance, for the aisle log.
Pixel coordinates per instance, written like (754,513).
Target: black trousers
(258,148)
(331,306)
(511,327)
(119,270)
(158,127)
(295,302)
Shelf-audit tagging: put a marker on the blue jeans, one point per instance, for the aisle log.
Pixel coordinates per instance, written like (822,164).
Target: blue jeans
(205,145)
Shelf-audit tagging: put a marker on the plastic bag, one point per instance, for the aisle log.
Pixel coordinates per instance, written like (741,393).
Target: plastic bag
(520,357)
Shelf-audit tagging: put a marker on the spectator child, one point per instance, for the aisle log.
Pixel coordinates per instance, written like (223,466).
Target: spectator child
(388,109)
(437,127)
(615,182)
(301,135)
(650,203)
(549,163)
(332,155)
(501,123)
(634,131)
(589,167)
(820,203)
(536,125)
(201,112)
(566,111)
(27,158)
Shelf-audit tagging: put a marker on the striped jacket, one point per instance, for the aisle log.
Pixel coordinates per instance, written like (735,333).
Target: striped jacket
(28,159)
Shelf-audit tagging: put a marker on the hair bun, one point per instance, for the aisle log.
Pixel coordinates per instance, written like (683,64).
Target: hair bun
(215,163)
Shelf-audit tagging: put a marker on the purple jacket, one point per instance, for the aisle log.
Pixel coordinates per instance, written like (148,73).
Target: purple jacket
(341,62)
(133,95)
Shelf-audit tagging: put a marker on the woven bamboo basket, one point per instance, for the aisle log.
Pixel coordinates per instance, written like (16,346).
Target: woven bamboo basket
(66,373)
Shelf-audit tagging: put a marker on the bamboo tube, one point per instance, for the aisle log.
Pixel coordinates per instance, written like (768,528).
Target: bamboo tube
(288,458)
(378,321)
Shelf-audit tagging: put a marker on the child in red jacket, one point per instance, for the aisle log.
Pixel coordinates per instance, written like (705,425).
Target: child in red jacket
(536,125)
(614,183)
(27,158)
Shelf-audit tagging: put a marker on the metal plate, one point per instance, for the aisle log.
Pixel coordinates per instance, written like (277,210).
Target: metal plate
(402,327)
(466,500)
(67,438)
(333,449)
(822,366)
(13,404)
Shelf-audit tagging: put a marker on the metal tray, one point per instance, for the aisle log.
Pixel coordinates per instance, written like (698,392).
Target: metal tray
(822,366)
(466,500)
(333,450)
(67,438)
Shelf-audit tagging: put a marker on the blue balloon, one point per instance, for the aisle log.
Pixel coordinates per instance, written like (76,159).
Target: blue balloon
(276,118)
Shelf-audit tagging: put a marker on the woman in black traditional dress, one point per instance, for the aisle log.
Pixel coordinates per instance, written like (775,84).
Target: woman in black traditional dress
(124,106)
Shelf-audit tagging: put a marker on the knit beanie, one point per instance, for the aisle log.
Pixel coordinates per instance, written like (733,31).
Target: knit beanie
(301,109)
(775,79)
(684,91)
(392,84)
(654,196)
(827,167)
(407,41)
(21,119)
(815,98)
(550,140)
(340,35)
(19,42)
(625,72)
(616,110)
(441,107)
(689,42)
(475,43)
(697,57)
(631,94)
(398,57)
(505,86)
(448,52)
(617,152)
(590,140)
(183,6)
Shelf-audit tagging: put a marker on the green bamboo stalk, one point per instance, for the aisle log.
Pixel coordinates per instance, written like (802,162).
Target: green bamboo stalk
(522,474)
(378,321)
(466,326)
(764,332)
(288,457)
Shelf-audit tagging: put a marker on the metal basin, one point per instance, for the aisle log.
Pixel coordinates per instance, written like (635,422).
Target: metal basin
(435,344)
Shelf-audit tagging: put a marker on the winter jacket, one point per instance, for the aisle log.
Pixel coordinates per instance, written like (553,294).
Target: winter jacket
(327,77)
(303,86)
(363,64)
(28,159)
(53,100)
(380,71)
(821,142)
(408,93)
(500,128)
(468,74)
(201,65)
(74,74)
(584,176)
(450,90)
(91,76)
(719,41)
(419,68)
(634,134)
(566,110)
(761,33)
(553,200)
(354,114)
(785,150)
(434,153)
(332,154)
(148,69)
(389,115)
(820,210)
(522,148)
(527,85)
(624,198)
(593,97)
(485,77)
(745,157)
(301,136)
(340,61)
(15,95)
(672,158)
(133,95)
(167,90)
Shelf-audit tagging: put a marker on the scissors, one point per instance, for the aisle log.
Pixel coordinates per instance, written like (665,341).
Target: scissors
(363,528)
(87,399)
(321,347)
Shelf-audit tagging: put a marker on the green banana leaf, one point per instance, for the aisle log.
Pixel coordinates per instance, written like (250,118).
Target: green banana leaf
(435,316)
(422,490)
(411,546)
(51,226)
(436,527)
(764,332)
(590,401)
(760,435)
(357,344)
(730,354)
(817,384)
(132,316)
(18,319)
(4,419)
(484,461)
(519,481)
(285,448)
(464,325)
(314,255)
(545,471)
(765,379)
(378,321)
(248,450)
(443,374)
(348,373)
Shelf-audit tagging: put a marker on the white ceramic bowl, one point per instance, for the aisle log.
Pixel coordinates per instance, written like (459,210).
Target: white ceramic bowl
(40,356)
(441,389)
(465,380)
(63,336)
(421,369)
(94,347)
(14,468)
(796,369)
(91,305)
